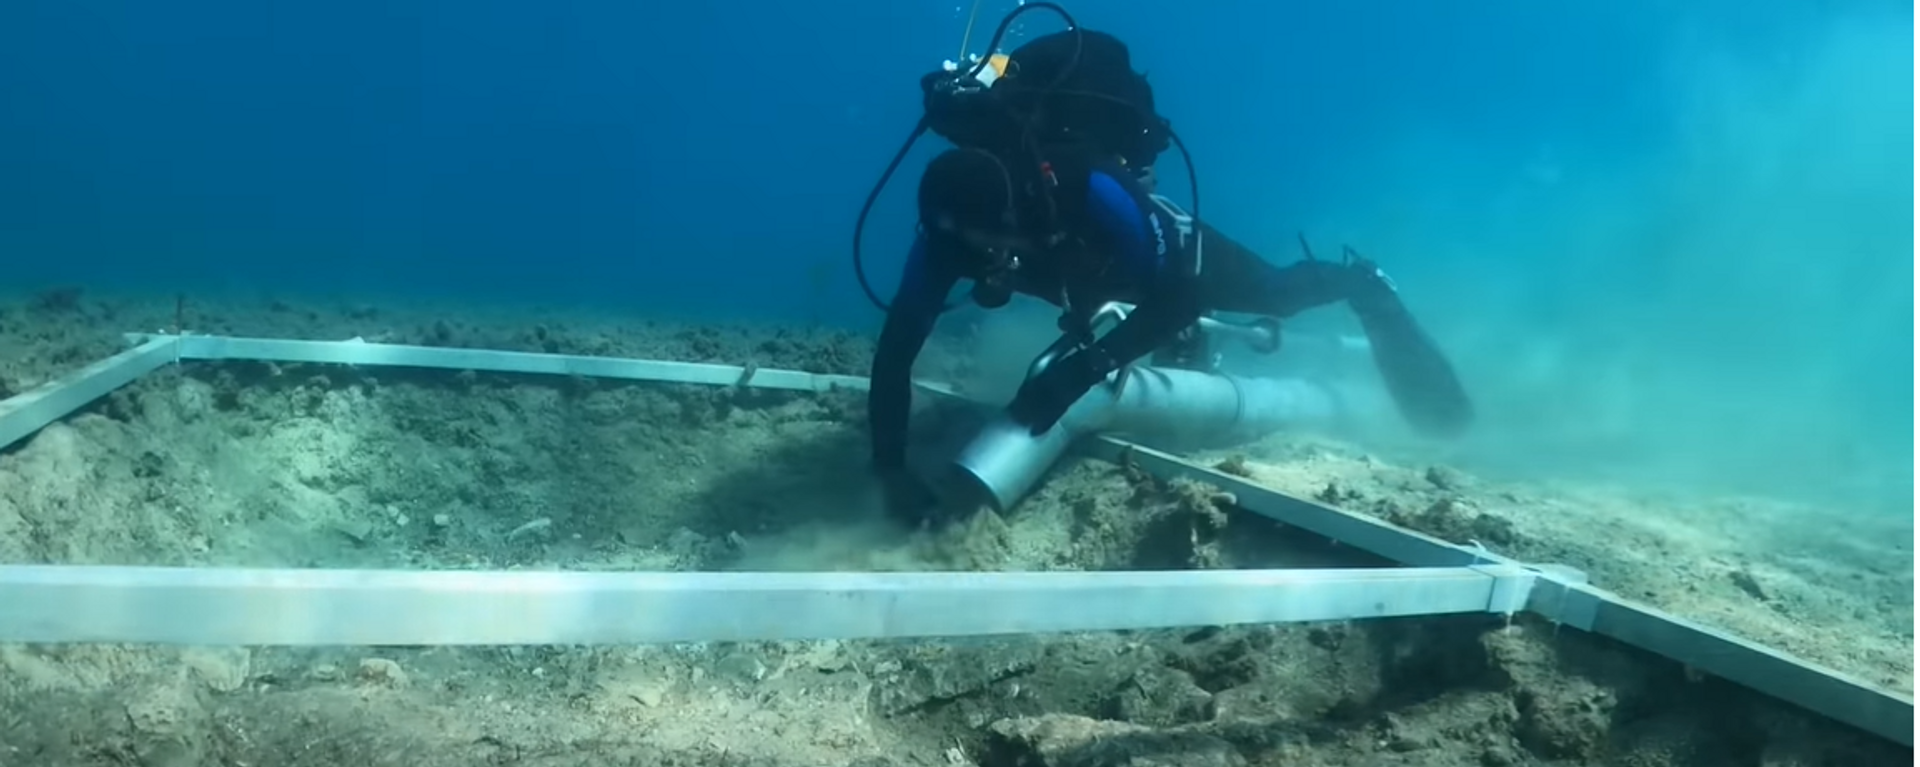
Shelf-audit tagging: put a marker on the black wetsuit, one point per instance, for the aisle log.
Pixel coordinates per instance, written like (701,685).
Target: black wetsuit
(1122,246)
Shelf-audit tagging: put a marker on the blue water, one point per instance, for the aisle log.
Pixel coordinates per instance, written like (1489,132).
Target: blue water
(1660,228)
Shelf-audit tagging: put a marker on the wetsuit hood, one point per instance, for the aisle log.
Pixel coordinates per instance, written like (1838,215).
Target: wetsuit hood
(967,189)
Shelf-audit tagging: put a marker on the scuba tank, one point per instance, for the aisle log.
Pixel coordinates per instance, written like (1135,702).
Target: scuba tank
(1013,104)
(1073,87)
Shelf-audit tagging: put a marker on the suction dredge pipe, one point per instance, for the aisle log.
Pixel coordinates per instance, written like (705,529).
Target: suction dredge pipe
(1188,407)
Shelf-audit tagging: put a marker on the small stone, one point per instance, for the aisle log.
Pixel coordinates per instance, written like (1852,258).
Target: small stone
(161,710)
(1745,581)
(826,658)
(382,672)
(1065,739)
(223,669)
(1159,696)
(541,526)
(1407,743)
(1443,478)
(742,667)
(442,520)
(357,529)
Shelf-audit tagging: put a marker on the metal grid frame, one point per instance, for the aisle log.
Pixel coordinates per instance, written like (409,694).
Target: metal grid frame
(247,606)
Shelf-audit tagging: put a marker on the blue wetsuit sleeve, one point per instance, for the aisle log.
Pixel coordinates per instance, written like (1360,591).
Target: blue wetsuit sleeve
(1143,240)
(916,306)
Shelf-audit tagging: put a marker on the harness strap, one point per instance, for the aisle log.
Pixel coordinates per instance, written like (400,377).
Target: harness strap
(1075,321)
(1190,237)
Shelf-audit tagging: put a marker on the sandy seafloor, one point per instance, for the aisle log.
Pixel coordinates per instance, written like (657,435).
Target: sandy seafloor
(312,466)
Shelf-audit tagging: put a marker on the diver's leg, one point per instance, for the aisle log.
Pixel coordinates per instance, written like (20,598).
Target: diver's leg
(1416,373)
(1238,280)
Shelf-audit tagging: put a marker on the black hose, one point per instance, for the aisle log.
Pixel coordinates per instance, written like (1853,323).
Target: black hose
(860,226)
(1000,34)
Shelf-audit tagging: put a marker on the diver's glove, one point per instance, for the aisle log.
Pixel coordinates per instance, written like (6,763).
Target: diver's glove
(905,497)
(1044,398)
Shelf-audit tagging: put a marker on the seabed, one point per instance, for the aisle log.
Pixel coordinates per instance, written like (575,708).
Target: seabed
(567,541)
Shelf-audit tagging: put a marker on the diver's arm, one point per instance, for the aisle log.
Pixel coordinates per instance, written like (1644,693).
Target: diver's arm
(916,306)
(1135,230)
(1170,305)
(1141,239)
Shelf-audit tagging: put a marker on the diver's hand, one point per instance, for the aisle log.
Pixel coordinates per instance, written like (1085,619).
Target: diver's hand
(1044,398)
(905,497)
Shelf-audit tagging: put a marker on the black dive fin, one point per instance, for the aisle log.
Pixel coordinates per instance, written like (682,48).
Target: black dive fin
(1422,382)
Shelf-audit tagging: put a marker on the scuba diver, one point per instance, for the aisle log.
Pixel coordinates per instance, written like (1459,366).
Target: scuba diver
(1044,196)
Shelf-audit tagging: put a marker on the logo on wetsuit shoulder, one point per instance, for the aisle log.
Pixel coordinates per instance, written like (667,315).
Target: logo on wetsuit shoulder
(1159,237)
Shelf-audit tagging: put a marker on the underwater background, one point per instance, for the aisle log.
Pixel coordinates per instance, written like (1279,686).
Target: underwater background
(1689,221)
(1668,245)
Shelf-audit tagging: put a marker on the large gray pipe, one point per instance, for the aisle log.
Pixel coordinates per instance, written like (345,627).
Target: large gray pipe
(1263,335)
(1161,405)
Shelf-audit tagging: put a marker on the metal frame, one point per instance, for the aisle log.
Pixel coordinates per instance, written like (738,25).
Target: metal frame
(1563,596)
(231,606)
(218,606)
